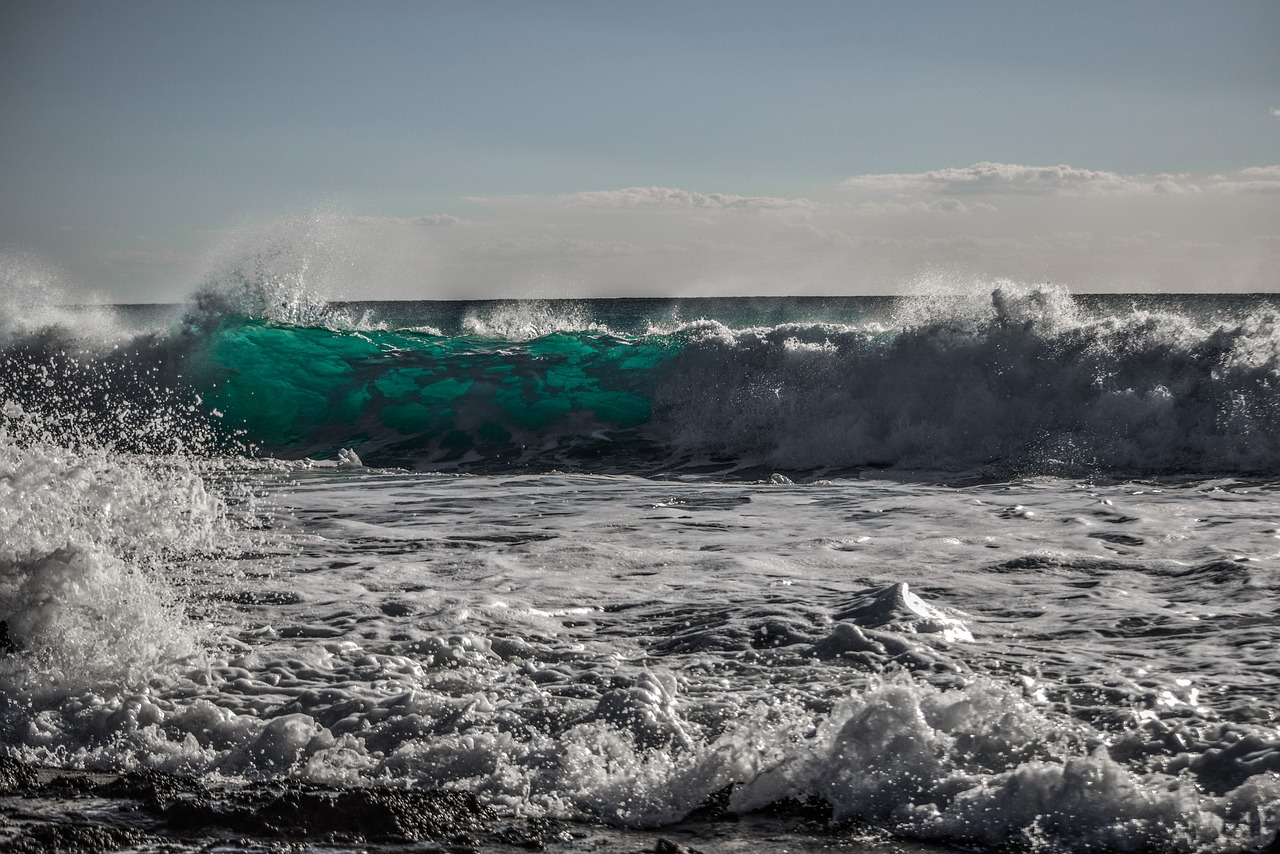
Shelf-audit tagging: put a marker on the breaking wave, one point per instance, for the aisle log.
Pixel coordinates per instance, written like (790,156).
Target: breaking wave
(1020,380)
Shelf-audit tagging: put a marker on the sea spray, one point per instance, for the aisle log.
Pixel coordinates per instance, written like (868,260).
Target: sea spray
(524,320)
(90,541)
(284,272)
(36,298)
(104,508)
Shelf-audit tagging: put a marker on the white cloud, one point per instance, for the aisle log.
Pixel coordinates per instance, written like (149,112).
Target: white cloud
(1013,179)
(942,206)
(668,197)
(1275,111)
(423,220)
(1087,229)
(567,247)
(434,219)
(1257,179)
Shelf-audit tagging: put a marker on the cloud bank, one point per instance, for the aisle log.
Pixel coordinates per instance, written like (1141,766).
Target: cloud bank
(1090,230)
(669,197)
(1006,179)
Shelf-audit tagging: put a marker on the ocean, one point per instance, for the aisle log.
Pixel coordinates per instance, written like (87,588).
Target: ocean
(994,570)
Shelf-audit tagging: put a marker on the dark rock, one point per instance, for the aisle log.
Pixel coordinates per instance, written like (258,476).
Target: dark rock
(715,807)
(377,814)
(76,837)
(15,777)
(534,834)
(156,788)
(71,785)
(8,645)
(668,846)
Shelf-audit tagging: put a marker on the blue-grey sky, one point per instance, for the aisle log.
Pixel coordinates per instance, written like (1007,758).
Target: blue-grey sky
(456,148)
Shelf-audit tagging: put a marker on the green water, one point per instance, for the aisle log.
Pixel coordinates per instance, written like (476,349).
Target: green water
(299,390)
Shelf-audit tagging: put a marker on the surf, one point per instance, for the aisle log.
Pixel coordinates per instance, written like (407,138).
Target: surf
(1002,380)
(1022,381)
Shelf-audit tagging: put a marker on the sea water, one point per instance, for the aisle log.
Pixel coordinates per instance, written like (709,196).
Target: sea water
(990,569)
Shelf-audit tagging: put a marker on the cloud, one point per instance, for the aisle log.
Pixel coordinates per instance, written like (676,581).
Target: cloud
(1275,111)
(568,247)
(433,219)
(1257,179)
(654,241)
(668,197)
(1088,229)
(944,206)
(1013,179)
(423,220)
(1007,179)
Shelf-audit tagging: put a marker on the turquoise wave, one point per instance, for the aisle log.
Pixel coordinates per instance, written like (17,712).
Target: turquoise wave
(402,396)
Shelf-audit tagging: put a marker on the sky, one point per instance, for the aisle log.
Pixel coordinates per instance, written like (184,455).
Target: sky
(417,150)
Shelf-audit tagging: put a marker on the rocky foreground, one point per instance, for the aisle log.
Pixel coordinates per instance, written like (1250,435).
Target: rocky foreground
(44,810)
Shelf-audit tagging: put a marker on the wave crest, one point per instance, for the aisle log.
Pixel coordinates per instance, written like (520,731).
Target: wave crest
(525,320)
(1027,383)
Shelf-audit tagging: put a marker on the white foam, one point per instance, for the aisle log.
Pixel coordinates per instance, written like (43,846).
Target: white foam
(525,320)
(81,560)
(896,607)
(591,647)
(981,765)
